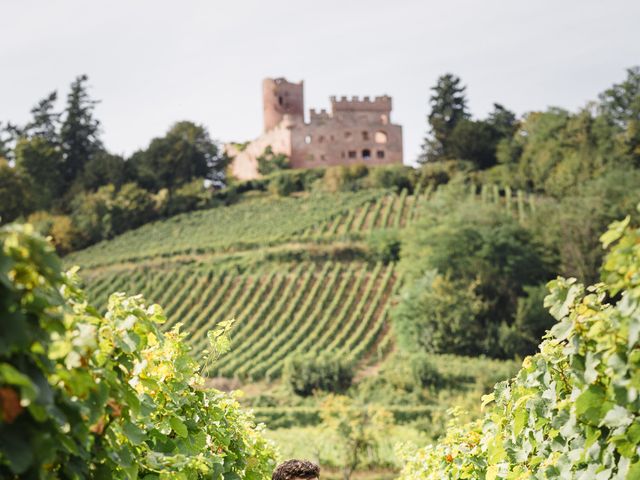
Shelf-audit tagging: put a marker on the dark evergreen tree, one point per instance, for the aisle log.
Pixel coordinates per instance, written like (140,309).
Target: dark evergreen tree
(45,121)
(448,107)
(503,121)
(38,155)
(39,161)
(620,105)
(5,139)
(15,199)
(80,130)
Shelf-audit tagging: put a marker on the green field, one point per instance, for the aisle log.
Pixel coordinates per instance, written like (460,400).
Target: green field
(242,262)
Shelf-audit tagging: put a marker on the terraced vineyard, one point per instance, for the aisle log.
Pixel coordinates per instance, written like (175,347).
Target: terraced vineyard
(385,211)
(306,307)
(197,272)
(253,223)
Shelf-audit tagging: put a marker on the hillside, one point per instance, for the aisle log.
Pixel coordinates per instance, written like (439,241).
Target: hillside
(305,274)
(255,222)
(297,275)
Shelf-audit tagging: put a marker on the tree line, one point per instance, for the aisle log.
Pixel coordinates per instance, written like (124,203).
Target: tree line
(56,172)
(543,151)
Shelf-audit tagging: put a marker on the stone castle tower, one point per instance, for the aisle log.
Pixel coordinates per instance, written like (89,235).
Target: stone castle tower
(280,98)
(354,131)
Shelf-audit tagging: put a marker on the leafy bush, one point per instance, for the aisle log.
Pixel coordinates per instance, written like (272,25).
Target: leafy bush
(283,185)
(440,173)
(410,371)
(308,373)
(188,197)
(396,177)
(60,228)
(572,410)
(345,178)
(270,162)
(385,246)
(438,314)
(89,396)
(404,379)
(359,429)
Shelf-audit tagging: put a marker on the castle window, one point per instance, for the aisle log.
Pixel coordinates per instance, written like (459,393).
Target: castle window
(365,135)
(381,137)
(323,158)
(380,154)
(307,139)
(279,99)
(366,154)
(384,119)
(320,139)
(352,154)
(347,135)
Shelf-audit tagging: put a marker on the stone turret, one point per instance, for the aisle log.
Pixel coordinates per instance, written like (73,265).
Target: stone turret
(281,98)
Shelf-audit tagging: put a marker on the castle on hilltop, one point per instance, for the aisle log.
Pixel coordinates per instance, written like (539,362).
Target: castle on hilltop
(355,131)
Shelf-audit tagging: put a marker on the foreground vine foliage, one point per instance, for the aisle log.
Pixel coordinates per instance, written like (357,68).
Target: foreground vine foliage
(572,410)
(84,395)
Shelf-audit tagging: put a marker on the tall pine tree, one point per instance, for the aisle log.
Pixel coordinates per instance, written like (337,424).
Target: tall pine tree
(38,154)
(80,131)
(448,107)
(45,121)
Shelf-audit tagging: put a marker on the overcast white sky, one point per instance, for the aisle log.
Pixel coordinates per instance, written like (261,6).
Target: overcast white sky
(154,62)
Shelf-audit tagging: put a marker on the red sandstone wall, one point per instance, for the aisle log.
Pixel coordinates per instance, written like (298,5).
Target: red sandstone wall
(357,131)
(280,98)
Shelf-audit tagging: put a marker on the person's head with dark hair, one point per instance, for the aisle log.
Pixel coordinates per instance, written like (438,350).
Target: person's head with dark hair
(296,470)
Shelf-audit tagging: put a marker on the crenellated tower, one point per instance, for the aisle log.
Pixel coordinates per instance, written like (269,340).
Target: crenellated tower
(281,98)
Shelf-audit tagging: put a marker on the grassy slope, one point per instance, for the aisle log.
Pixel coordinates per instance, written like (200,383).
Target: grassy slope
(269,263)
(251,224)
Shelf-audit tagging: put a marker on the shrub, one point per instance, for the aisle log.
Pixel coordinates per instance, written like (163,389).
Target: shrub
(90,396)
(345,178)
(188,197)
(60,228)
(438,314)
(396,177)
(270,162)
(440,173)
(284,184)
(385,246)
(308,373)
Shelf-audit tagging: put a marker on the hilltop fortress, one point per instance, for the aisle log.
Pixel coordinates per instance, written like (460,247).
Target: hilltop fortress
(355,131)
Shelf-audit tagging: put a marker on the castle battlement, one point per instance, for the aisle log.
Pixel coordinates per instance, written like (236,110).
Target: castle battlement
(319,115)
(364,104)
(355,130)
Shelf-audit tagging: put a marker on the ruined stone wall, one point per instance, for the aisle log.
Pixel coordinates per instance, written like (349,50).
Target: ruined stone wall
(244,165)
